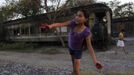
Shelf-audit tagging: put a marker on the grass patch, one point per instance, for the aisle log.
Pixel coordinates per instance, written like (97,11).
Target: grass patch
(19,47)
(27,47)
(120,74)
(92,73)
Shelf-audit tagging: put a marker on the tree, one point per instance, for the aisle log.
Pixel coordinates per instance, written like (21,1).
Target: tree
(74,3)
(114,4)
(14,8)
(124,10)
(121,10)
(7,12)
(28,7)
(54,7)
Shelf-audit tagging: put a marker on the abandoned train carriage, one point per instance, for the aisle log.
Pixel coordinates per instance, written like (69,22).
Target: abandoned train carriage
(125,23)
(27,29)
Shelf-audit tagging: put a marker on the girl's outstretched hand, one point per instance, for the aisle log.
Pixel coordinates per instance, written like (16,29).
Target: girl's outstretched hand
(45,26)
(98,65)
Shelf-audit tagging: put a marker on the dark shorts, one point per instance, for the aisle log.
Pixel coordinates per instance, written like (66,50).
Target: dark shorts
(76,53)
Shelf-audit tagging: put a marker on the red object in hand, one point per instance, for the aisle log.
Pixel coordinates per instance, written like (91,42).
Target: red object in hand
(98,65)
(45,26)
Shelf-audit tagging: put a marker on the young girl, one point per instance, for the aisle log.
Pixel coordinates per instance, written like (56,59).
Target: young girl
(79,32)
(120,42)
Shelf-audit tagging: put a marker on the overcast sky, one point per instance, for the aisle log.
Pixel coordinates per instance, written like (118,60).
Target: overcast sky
(123,1)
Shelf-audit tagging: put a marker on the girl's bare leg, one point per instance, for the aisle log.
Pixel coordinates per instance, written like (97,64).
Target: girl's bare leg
(72,57)
(116,50)
(77,66)
(123,48)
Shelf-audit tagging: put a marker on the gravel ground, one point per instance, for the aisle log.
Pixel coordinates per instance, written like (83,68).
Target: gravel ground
(13,63)
(21,69)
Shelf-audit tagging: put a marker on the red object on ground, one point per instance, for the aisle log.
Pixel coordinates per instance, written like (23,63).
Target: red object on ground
(98,66)
(44,26)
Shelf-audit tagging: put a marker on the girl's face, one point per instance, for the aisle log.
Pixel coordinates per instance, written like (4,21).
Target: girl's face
(80,18)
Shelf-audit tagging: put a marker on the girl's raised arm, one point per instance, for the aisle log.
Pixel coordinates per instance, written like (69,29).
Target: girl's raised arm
(55,25)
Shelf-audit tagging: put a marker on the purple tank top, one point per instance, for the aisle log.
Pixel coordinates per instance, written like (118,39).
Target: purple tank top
(75,40)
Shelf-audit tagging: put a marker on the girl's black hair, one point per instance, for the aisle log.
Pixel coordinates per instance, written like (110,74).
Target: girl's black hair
(84,12)
(86,15)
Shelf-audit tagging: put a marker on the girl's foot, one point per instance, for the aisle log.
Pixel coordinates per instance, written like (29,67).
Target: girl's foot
(72,73)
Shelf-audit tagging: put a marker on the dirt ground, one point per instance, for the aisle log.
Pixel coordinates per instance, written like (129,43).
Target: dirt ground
(112,62)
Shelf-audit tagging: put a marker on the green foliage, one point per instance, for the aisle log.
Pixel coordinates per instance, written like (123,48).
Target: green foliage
(112,73)
(6,12)
(124,10)
(13,8)
(121,10)
(28,7)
